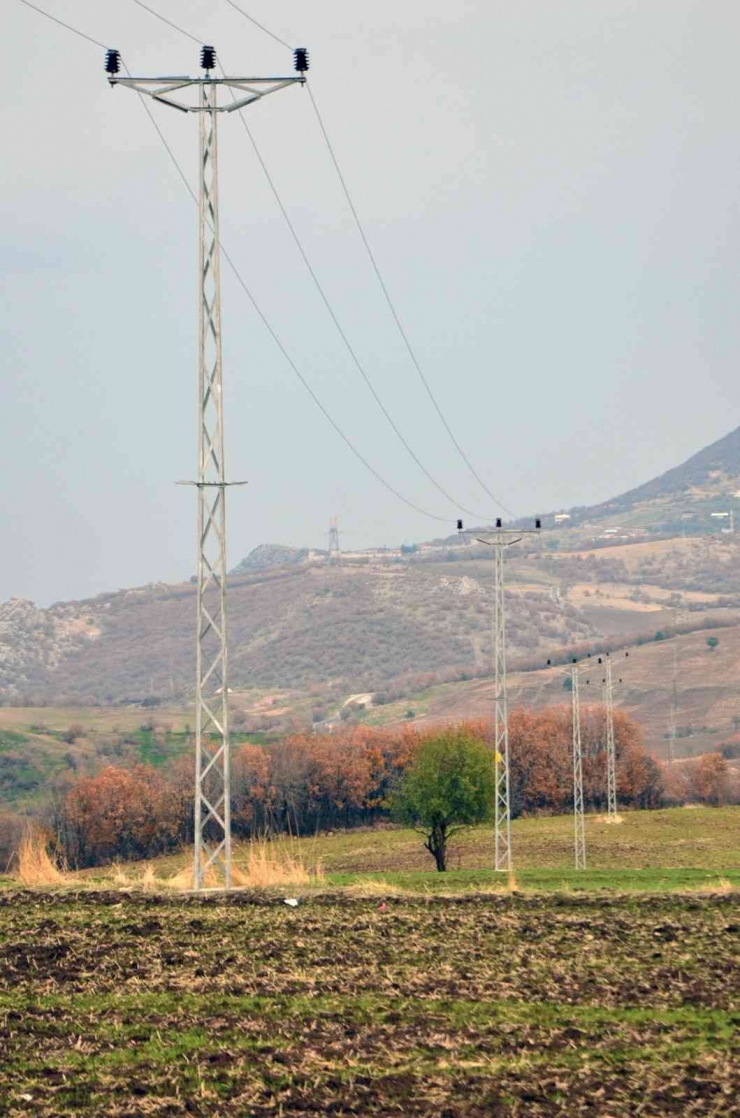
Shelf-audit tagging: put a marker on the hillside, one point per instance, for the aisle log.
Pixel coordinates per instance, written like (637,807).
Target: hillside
(682,500)
(395,635)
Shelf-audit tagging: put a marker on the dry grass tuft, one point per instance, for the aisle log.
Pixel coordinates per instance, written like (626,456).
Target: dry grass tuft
(35,865)
(613,820)
(270,863)
(148,880)
(721,887)
(511,882)
(119,876)
(259,865)
(376,887)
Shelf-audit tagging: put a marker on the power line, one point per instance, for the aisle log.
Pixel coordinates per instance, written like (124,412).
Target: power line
(340,329)
(392,308)
(381,281)
(163,19)
(358,454)
(320,288)
(258,24)
(61,23)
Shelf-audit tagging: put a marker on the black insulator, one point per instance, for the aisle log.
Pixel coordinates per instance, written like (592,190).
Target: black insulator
(498,522)
(208,58)
(300,59)
(459,525)
(112,62)
(538,523)
(599,660)
(574,661)
(549,663)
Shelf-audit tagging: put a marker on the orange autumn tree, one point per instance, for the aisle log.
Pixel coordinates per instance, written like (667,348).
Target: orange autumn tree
(307,782)
(121,813)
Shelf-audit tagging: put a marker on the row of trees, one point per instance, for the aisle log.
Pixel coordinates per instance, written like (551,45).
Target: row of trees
(308,782)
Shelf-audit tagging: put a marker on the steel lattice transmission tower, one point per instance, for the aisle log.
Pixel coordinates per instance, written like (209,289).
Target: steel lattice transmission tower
(498,541)
(212,824)
(335,552)
(611,752)
(672,727)
(578,815)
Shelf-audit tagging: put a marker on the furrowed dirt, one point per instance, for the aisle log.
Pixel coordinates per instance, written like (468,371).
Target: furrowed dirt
(471,1006)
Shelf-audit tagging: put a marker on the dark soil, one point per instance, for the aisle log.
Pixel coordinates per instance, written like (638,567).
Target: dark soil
(476,1006)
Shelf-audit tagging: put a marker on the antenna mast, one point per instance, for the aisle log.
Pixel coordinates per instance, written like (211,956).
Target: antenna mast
(212,853)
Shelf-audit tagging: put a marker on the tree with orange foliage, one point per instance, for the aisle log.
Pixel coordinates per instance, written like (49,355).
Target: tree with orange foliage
(710,779)
(121,813)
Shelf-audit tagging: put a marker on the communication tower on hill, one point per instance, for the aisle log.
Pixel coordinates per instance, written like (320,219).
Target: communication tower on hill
(498,541)
(212,855)
(335,553)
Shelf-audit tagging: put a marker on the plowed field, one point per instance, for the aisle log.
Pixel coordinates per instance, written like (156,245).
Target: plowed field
(470,1006)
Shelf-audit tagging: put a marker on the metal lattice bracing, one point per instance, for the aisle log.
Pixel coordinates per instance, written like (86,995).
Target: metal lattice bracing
(335,553)
(611,752)
(672,726)
(498,541)
(212,861)
(502,813)
(212,761)
(578,816)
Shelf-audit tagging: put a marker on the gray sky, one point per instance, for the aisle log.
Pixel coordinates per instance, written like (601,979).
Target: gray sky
(551,192)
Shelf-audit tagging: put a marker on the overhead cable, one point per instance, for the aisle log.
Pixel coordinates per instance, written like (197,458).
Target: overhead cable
(358,454)
(320,288)
(258,24)
(383,285)
(66,26)
(392,308)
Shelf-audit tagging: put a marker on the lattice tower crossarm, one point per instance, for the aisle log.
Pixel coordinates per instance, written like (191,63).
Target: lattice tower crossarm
(611,752)
(502,807)
(578,814)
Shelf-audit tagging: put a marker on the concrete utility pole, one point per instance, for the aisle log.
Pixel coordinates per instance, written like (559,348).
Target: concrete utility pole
(498,540)
(578,815)
(212,854)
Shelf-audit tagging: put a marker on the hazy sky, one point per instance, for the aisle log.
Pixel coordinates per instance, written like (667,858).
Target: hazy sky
(550,188)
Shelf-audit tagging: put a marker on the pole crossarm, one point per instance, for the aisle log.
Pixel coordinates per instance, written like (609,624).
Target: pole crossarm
(246,90)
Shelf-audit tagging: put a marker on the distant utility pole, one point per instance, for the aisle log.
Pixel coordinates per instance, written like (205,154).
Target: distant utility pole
(498,540)
(578,816)
(611,753)
(212,855)
(335,553)
(672,727)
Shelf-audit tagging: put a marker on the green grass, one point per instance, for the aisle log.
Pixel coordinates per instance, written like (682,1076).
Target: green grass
(589,881)
(424,1006)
